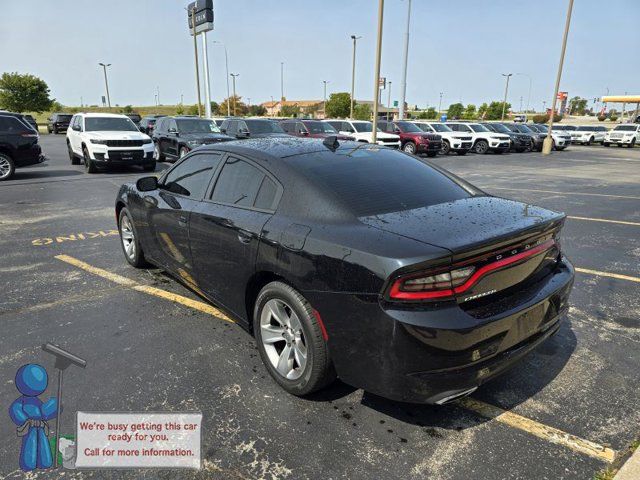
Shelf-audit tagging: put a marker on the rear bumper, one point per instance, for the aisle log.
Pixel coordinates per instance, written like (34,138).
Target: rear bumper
(31,155)
(426,356)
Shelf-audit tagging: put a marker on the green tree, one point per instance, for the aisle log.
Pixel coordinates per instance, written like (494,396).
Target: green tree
(241,108)
(470,112)
(127,109)
(180,110)
(577,105)
(455,110)
(494,110)
(362,111)
(56,106)
(338,105)
(429,114)
(257,111)
(482,110)
(24,93)
(290,110)
(193,110)
(215,108)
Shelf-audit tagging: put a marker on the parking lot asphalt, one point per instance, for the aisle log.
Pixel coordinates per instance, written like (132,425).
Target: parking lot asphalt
(566,412)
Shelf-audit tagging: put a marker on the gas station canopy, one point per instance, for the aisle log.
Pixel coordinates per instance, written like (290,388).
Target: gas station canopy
(621,99)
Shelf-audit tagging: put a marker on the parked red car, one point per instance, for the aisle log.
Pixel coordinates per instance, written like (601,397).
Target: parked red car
(311,129)
(412,139)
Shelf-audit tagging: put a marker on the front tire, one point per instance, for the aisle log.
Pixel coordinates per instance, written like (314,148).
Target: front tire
(633,143)
(7,167)
(481,147)
(157,153)
(446,148)
(183,151)
(72,156)
(605,144)
(89,166)
(290,340)
(129,240)
(588,142)
(409,147)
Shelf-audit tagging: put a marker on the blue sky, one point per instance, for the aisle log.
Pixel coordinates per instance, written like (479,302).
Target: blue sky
(458,47)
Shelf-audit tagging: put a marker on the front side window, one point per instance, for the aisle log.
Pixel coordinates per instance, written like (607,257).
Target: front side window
(191,177)
(109,124)
(11,125)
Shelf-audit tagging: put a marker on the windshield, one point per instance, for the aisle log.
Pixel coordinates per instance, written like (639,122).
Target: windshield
(524,129)
(407,127)
(584,129)
(197,126)
(112,124)
(64,118)
(319,127)
(263,126)
(363,127)
(499,128)
(626,128)
(476,127)
(439,127)
(542,128)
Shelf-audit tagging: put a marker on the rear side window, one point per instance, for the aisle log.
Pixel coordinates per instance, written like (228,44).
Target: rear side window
(377,181)
(245,185)
(191,177)
(10,125)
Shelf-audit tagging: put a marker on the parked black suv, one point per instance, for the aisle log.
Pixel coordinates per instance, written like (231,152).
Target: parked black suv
(28,120)
(18,146)
(58,122)
(252,128)
(519,143)
(135,118)
(522,128)
(148,123)
(174,137)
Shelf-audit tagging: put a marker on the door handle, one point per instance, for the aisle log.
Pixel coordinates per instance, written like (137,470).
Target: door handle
(182,220)
(244,236)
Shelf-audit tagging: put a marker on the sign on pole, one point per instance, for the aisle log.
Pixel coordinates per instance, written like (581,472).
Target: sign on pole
(443,118)
(382,83)
(203,16)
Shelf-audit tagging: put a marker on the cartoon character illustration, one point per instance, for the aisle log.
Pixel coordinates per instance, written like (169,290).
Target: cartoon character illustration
(30,415)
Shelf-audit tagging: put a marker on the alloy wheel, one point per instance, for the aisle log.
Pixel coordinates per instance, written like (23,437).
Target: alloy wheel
(409,147)
(482,147)
(156,152)
(444,150)
(283,339)
(128,237)
(5,168)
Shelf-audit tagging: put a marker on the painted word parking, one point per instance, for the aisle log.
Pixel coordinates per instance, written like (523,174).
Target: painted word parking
(362,268)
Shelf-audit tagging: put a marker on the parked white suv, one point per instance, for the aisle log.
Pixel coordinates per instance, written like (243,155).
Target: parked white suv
(451,141)
(484,140)
(101,140)
(628,135)
(588,134)
(362,131)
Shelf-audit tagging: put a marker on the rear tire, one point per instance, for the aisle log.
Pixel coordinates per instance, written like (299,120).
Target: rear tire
(7,167)
(287,334)
(129,240)
(481,147)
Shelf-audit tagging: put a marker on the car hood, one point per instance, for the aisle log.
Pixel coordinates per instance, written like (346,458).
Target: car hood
(117,135)
(269,135)
(466,224)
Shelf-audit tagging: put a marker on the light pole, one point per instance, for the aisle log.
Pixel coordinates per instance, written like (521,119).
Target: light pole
(529,94)
(376,88)
(195,54)
(234,75)
(389,101)
(106,82)
(506,91)
(158,94)
(207,83)
(324,104)
(282,81)
(353,73)
(440,103)
(226,64)
(405,59)
(548,142)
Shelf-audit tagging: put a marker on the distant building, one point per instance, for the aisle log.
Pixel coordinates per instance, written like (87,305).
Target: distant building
(315,108)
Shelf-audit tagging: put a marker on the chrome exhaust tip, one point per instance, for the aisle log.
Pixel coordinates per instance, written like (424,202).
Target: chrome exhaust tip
(454,396)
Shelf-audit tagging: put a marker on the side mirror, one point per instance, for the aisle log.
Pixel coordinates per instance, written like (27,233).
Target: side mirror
(147,184)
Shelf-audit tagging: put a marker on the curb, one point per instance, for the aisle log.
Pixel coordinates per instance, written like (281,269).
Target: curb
(631,468)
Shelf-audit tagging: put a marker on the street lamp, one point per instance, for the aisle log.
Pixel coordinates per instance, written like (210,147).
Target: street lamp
(440,104)
(106,83)
(353,73)
(226,63)
(389,102)
(548,142)
(506,90)
(324,105)
(405,59)
(282,81)
(529,94)
(234,75)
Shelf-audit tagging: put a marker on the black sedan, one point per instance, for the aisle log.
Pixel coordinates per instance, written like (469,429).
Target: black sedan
(355,261)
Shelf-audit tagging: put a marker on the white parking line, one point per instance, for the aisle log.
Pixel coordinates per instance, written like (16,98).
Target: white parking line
(605,220)
(630,197)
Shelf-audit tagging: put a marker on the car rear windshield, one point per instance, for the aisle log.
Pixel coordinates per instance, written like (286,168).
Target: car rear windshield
(64,118)
(263,126)
(626,128)
(319,127)
(197,126)
(373,181)
(113,124)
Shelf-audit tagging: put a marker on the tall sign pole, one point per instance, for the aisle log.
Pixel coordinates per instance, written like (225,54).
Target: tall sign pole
(548,142)
(195,51)
(207,84)
(376,86)
(405,60)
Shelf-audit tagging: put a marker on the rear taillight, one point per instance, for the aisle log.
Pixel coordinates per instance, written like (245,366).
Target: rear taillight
(29,135)
(442,284)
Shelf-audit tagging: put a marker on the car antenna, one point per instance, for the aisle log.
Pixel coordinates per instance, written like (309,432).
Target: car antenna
(331,142)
